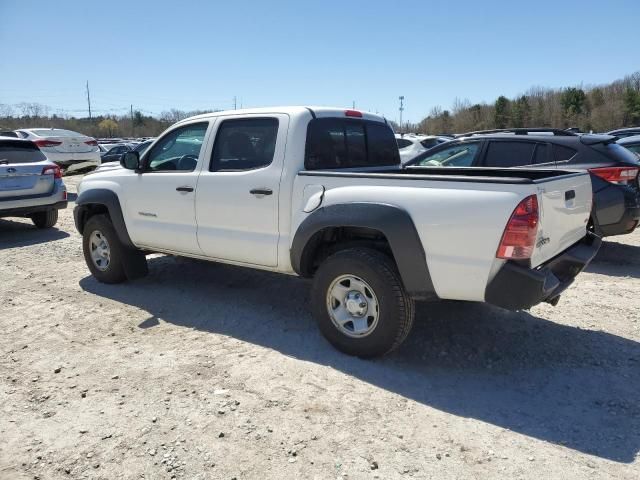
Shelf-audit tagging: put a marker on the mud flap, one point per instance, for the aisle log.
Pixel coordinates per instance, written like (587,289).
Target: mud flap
(134,263)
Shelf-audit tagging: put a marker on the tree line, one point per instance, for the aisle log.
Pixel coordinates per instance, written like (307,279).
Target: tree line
(32,115)
(595,108)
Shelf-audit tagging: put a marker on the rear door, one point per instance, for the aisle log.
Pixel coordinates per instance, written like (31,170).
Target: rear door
(238,191)
(506,153)
(21,166)
(565,206)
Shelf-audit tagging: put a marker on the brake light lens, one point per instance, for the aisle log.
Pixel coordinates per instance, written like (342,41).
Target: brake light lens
(353,113)
(519,237)
(616,174)
(92,143)
(47,143)
(52,170)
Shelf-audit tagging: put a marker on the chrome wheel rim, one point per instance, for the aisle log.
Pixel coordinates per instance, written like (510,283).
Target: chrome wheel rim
(353,306)
(99,250)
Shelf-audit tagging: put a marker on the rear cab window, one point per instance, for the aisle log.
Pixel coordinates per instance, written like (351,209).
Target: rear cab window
(12,152)
(349,143)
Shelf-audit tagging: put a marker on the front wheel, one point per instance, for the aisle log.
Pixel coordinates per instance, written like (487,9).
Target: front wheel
(102,250)
(360,304)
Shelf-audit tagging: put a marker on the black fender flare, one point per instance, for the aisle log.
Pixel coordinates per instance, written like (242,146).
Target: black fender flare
(109,199)
(392,221)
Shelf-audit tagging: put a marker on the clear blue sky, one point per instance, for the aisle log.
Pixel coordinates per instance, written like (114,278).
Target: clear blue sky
(191,54)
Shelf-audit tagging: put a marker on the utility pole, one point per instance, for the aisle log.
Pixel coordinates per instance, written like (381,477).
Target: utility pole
(89,100)
(235,103)
(353,105)
(132,134)
(401,98)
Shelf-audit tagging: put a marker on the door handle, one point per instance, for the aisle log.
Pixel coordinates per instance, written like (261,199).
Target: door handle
(260,191)
(184,189)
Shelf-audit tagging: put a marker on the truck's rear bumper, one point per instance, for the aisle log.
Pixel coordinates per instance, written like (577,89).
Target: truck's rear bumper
(517,287)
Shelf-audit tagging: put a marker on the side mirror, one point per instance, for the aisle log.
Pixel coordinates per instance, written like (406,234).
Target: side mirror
(131,161)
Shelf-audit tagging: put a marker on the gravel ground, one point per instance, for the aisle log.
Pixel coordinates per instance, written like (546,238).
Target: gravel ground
(206,371)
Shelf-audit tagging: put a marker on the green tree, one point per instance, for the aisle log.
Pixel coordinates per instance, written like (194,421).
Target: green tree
(138,119)
(501,113)
(631,102)
(521,112)
(573,101)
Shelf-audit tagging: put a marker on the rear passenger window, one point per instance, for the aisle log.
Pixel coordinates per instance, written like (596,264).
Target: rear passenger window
(562,153)
(402,143)
(244,144)
(540,155)
(346,143)
(509,154)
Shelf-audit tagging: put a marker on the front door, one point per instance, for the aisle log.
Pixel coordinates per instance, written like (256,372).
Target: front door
(160,201)
(238,190)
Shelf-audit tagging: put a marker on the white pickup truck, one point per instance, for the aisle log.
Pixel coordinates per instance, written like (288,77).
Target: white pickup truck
(319,192)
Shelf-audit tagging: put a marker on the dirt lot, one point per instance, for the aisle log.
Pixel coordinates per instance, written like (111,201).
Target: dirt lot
(207,371)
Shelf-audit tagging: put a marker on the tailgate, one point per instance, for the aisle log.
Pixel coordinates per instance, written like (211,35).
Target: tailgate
(565,207)
(24,180)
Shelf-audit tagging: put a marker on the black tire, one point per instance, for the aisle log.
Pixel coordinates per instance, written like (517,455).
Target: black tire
(396,308)
(114,271)
(45,219)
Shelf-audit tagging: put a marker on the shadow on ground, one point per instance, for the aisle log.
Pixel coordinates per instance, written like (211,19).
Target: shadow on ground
(553,382)
(20,234)
(617,259)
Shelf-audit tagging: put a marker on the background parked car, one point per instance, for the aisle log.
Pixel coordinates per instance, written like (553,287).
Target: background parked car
(632,143)
(8,133)
(142,147)
(70,150)
(30,184)
(412,145)
(113,152)
(614,169)
(625,132)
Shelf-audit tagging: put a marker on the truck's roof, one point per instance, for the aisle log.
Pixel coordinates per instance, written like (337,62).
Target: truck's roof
(292,111)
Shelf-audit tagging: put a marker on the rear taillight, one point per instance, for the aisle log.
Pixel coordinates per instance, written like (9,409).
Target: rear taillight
(52,170)
(92,143)
(47,143)
(519,237)
(616,174)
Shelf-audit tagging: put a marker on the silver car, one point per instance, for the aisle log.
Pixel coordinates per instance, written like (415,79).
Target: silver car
(30,185)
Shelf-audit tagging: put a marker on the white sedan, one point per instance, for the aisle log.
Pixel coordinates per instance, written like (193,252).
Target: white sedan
(411,145)
(71,150)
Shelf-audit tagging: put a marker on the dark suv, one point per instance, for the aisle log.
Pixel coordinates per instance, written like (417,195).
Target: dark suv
(614,169)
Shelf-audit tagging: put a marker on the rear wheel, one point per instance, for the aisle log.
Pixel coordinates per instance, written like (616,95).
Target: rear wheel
(360,304)
(102,250)
(45,219)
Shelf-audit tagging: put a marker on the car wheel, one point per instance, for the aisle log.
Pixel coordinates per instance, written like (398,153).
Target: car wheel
(102,250)
(45,219)
(360,304)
